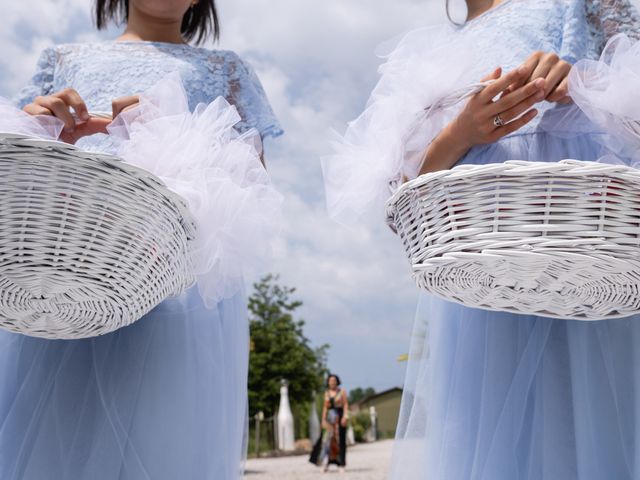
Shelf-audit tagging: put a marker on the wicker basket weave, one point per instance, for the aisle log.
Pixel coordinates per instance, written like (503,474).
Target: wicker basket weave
(88,244)
(553,239)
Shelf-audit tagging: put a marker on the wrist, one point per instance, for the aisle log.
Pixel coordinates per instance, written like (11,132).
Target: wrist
(445,150)
(455,140)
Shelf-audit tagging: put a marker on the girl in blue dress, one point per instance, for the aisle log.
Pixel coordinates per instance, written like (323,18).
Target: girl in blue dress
(493,395)
(164,398)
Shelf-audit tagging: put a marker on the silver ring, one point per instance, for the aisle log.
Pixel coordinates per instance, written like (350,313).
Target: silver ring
(497,121)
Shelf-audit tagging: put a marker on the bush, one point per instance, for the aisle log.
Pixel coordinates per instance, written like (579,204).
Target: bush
(360,423)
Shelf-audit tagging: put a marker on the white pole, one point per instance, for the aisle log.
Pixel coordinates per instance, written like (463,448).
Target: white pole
(314,422)
(374,423)
(286,441)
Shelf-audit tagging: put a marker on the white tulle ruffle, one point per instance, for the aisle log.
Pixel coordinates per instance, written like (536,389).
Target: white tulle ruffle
(200,156)
(388,139)
(607,91)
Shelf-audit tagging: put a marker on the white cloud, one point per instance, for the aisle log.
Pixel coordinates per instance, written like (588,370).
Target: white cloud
(317,63)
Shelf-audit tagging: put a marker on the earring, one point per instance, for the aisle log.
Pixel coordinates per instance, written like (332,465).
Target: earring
(446,6)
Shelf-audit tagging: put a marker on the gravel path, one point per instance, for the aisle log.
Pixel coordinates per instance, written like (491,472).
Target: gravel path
(368,461)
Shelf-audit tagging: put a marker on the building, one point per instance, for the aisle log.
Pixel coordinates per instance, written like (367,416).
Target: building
(387,405)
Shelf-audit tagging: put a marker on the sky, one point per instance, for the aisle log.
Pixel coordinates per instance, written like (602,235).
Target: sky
(316,61)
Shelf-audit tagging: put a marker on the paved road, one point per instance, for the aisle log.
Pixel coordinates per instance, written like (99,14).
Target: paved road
(364,462)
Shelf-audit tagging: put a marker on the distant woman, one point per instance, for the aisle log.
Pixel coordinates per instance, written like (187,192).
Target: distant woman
(332,445)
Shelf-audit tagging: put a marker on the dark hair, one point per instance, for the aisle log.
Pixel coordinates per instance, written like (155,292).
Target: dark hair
(334,376)
(200,21)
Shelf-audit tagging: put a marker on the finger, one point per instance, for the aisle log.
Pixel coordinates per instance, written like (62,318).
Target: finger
(59,109)
(490,92)
(565,100)
(529,66)
(493,75)
(545,66)
(91,126)
(34,109)
(560,91)
(68,137)
(513,126)
(518,109)
(74,100)
(531,93)
(556,76)
(120,104)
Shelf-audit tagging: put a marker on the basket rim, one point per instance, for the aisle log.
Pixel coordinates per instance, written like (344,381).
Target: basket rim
(113,161)
(512,168)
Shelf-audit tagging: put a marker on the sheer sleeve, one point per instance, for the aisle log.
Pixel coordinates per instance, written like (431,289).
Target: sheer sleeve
(42,81)
(608,17)
(247,94)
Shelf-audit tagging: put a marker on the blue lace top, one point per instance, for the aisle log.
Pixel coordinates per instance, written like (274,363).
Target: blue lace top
(103,71)
(574,29)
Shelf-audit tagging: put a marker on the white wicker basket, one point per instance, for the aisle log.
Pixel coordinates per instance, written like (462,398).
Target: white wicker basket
(88,244)
(552,239)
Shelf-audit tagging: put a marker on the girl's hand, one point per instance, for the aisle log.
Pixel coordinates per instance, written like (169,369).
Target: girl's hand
(555,71)
(484,120)
(344,421)
(91,126)
(122,104)
(59,105)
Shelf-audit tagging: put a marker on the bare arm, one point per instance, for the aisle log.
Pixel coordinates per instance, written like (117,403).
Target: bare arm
(325,406)
(345,406)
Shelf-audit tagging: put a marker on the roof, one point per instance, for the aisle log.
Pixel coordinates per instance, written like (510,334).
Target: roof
(376,395)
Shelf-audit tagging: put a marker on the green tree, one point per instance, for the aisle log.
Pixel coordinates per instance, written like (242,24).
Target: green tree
(357,394)
(279,349)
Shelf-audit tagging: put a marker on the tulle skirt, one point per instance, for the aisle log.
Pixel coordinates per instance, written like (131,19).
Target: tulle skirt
(162,399)
(497,396)
(500,396)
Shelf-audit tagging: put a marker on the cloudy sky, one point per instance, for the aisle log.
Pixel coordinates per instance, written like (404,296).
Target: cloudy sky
(316,60)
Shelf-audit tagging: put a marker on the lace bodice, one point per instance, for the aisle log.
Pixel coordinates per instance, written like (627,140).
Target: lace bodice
(608,17)
(103,71)
(574,29)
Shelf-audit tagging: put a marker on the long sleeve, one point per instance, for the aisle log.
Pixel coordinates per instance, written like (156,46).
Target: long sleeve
(42,81)
(248,95)
(609,17)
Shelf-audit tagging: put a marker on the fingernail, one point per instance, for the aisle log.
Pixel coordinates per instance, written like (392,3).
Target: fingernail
(85,116)
(540,82)
(522,70)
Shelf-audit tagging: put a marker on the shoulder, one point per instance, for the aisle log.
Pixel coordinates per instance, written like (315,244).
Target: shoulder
(55,53)
(227,57)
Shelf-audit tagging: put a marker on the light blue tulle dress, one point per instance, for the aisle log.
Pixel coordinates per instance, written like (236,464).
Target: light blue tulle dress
(164,398)
(499,396)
